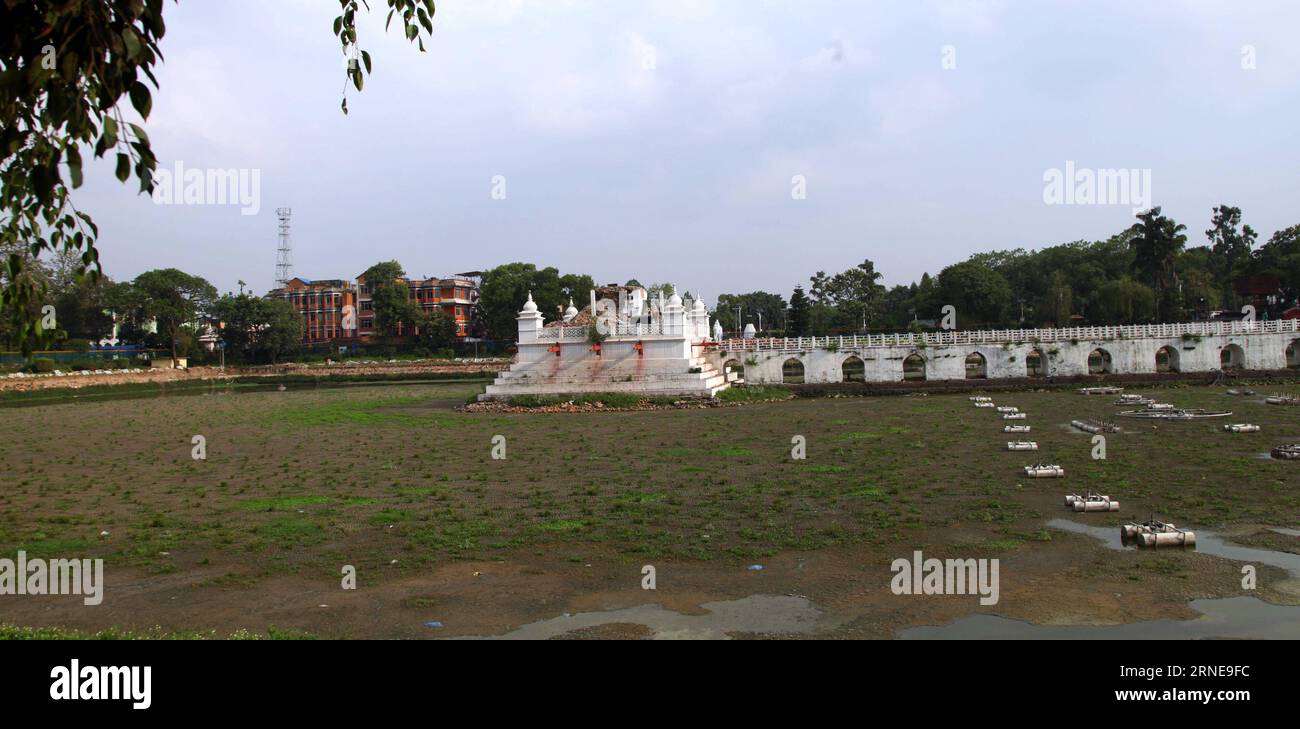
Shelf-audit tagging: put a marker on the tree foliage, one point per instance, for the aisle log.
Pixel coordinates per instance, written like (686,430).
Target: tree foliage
(174,299)
(258,329)
(72,74)
(800,313)
(505,289)
(1157,241)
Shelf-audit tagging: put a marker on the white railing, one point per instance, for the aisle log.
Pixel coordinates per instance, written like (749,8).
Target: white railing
(1027,336)
(621,329)
(563,334)
(639,329)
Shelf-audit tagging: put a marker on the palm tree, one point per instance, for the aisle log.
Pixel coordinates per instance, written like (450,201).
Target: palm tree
(1156,243)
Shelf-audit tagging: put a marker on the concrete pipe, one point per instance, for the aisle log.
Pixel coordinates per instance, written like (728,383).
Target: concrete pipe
(1008,409)
(1015,429)
(1021,445)
(983,404)
(1042,471)
(1103,505)
(980,398)
(1241,428)
(1071,498)
(1167,539)
(1013,416)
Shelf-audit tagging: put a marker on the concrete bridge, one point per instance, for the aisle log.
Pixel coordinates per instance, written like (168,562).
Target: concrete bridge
(958,355)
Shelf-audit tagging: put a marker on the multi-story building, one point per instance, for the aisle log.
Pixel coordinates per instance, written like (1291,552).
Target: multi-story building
(455,295)
(322,304)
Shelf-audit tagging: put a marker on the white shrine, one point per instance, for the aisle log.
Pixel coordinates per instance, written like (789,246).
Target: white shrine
(621,342)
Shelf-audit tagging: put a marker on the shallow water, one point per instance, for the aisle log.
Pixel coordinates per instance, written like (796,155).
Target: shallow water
(1230,617)
(753,614)
(1206,542)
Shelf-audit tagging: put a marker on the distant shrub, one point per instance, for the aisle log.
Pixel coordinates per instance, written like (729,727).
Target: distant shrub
(751,393)
(41,365)
(76,345)
(608,399)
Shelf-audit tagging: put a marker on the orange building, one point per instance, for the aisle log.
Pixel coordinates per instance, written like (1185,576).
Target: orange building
(321,303)
(455,295)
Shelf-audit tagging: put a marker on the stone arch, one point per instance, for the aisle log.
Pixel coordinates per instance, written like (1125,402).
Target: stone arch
(792,372)
(1167,359)
(913,367)
(853,369)
(734,365)
(1232,357)
(1293,354)
(1035,363)
(1099,362)
(977,367)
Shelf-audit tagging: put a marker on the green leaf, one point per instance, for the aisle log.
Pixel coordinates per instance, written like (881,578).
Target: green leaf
(138,131)
(141,99)
(123,166)
(365,58)
(132,42)
(73,156)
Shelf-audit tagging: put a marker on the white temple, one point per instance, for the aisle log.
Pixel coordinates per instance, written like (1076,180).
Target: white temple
(621,342)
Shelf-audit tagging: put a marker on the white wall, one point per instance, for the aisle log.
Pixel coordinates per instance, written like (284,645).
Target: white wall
(1264,351)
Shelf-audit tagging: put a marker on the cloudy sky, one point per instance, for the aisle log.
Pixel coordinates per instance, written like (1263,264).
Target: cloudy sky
(659,139)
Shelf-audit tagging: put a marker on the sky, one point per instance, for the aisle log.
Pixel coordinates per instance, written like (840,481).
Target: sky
(726,146)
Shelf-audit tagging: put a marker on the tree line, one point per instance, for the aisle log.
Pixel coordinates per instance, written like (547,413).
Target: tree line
(1144,273)
(160,309)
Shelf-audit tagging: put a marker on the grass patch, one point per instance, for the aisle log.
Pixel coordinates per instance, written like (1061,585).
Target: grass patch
(14,632)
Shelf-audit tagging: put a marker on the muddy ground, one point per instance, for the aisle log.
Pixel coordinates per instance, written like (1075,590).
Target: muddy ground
(78,380)
(398,483)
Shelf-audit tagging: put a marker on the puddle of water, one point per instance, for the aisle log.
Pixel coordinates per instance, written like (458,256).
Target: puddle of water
(1207,542)
(1229,617)
(1108,535)
(753,614)
(1211,543)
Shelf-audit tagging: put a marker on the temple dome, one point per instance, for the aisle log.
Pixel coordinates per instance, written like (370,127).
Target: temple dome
(530,306)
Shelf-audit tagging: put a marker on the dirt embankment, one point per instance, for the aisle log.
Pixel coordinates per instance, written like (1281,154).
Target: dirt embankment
(77,380)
